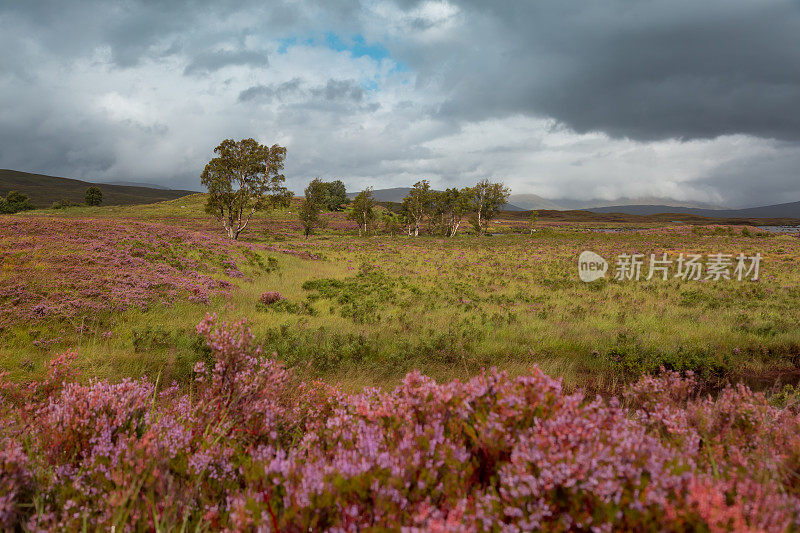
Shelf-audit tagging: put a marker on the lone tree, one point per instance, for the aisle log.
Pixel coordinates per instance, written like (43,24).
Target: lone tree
(94,196)
(309,216)
(244,178)
(417,205)
(487,199)
(329,195)
(362,210)
(532,219)
(310,208)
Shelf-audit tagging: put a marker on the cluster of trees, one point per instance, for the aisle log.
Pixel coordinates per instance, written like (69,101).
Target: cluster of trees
(363,211)
(92,197)
(14,202)
(442,212)
(437,212)
(246,176)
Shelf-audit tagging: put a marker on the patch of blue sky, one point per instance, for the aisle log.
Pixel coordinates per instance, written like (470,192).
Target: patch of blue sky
(355,44)
(285,44)
(358,47)
(369,85)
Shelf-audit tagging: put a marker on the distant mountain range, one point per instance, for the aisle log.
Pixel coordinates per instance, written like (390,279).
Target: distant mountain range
(533,201)
(138,184)
(788,210)
(44,190)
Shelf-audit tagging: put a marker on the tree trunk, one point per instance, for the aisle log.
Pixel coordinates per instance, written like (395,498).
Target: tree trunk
(230,230)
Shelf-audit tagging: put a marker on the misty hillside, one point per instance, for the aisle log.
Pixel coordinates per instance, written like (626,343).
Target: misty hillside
(138,184)
(788,210)
(44,190)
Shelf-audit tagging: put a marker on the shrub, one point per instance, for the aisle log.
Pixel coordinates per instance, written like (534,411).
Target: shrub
(14,202)
(250,448)
(270,297)
(63,204)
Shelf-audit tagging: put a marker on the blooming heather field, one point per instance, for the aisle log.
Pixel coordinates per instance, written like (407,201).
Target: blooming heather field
(88,266)
(249,447)
(118,409)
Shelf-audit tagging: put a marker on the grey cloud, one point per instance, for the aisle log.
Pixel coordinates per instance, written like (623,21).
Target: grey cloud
(212,61)
(340,90)
(644,70)
(764,179)
(268,92)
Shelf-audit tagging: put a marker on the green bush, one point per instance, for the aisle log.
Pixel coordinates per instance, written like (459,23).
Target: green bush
(14,202)
(94,196)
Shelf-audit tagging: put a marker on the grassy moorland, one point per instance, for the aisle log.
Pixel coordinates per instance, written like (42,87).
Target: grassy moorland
(117,386)
(127,293)
(43,190)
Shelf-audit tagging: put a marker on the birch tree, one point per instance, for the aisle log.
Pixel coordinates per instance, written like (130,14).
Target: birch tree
(487,198)
(362,210)
(450,206)
(244,177)
(417,205)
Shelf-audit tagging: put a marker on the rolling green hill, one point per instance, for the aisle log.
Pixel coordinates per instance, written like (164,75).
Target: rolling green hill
(44,190)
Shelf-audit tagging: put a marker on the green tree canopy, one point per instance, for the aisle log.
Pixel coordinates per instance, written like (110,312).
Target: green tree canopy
(487,198)
(417,205)
(449,208)
(328,195)
(14,202)
(362,210)
(309,216)
(244,178)
(392,222)
(94,196)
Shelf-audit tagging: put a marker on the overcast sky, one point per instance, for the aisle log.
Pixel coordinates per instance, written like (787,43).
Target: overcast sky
(693,100)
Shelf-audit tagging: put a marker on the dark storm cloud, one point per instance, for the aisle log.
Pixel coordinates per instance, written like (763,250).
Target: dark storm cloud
(86,87)
(645,70)
(769,178)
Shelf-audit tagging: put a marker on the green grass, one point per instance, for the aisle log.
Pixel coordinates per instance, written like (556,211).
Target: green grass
(375,308)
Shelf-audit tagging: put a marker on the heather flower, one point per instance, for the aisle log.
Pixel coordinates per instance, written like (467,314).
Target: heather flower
(251,448)
(270,297)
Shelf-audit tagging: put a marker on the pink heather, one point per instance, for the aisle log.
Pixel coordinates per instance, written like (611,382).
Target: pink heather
(251,448)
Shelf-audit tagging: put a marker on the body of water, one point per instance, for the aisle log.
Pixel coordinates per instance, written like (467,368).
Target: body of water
(780,229)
